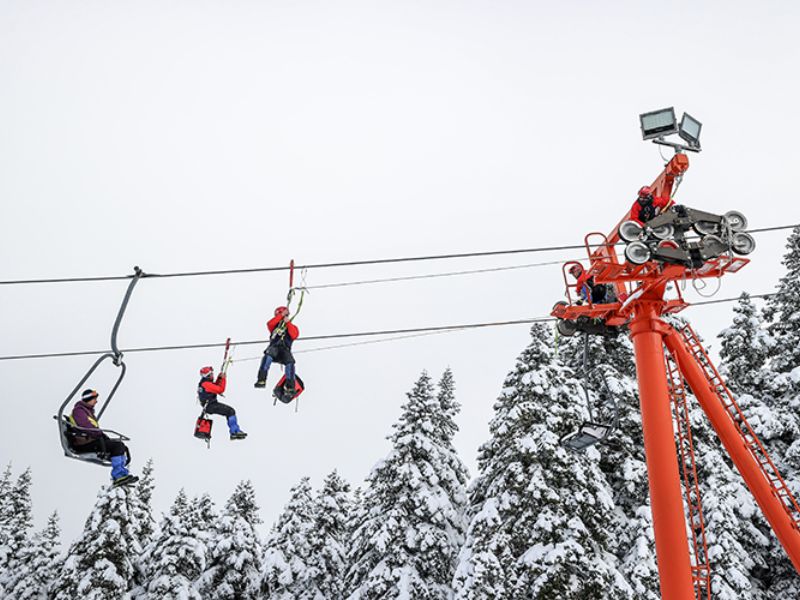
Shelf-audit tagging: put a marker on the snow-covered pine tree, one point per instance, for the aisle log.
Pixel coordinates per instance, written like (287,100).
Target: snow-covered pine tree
(100,563)
(611,380)
(143,507)
(142,516)
(37,565)
(444,419)
(234,561)
(781,387)
(288,571)
(445,428)
(783,310)
(5,516)
(744,348)
(19,520)
(357,518)
(639,555)
(175,558)
(328,537)
(203,517)
(774,408)
(407,541)
(541,516)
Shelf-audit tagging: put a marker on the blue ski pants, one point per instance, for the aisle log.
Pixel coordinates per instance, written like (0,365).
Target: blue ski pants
(267,361)
(118,468)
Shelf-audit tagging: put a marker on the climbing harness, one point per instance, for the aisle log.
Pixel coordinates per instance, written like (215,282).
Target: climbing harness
(68,431)
(595,430)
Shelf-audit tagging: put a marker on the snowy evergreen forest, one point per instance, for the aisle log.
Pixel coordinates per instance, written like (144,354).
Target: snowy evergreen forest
(535,521)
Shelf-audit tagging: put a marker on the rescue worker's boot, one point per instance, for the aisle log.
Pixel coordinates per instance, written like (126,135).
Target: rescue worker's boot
(261,381)
(233,427)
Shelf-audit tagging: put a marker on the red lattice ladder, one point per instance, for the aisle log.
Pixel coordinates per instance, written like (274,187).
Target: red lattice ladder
(701,572)
(779,488)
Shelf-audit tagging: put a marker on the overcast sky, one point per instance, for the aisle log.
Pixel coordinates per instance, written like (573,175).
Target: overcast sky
(210,135)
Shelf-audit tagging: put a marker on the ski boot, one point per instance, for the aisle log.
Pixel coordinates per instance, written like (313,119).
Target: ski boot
(125,480)
(260,384)
(236,432)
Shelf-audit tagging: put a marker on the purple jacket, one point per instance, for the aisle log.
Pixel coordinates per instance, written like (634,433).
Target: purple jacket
(83,416)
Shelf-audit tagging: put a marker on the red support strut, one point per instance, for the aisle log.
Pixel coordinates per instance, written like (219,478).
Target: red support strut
(744,448)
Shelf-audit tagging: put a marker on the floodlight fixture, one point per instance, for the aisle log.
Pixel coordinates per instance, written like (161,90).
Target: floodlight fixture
(689,130)
(658,123)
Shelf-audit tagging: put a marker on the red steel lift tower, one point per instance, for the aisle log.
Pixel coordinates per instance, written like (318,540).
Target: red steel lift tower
(663,258)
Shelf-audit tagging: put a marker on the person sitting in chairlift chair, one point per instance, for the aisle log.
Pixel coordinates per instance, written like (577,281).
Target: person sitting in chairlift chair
(90,438)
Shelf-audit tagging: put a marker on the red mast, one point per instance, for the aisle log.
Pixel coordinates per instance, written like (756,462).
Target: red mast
(639,304)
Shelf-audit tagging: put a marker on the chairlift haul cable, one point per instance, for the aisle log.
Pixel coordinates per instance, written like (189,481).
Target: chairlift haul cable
(398,332)
(354,263)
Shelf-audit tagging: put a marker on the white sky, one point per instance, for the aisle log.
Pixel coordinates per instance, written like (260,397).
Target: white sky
(209,135)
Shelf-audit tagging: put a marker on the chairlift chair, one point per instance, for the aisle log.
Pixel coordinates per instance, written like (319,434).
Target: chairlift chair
(66,430)
(588,434)
(69,432)
(591,431)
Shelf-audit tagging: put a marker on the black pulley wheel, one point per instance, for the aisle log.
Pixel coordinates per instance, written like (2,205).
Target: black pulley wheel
(566,328)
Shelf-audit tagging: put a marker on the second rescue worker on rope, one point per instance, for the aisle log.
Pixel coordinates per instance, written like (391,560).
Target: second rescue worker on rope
(646,206)
(207,391)
(282,333)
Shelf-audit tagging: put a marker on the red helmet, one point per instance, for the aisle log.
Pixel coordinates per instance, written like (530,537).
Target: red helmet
(207,371)
(576,270)
(281,310)
(645,191)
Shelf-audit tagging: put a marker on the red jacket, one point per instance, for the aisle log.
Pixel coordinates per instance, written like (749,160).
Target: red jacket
(214,387)
(291,328)
(636,210)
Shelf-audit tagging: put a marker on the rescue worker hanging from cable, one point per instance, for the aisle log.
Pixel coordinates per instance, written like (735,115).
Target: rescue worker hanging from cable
(646,206)
(207,391)
(282,333)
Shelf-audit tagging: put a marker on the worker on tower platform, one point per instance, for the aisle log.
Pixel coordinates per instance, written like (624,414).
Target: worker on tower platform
(646,206)
(587,289)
